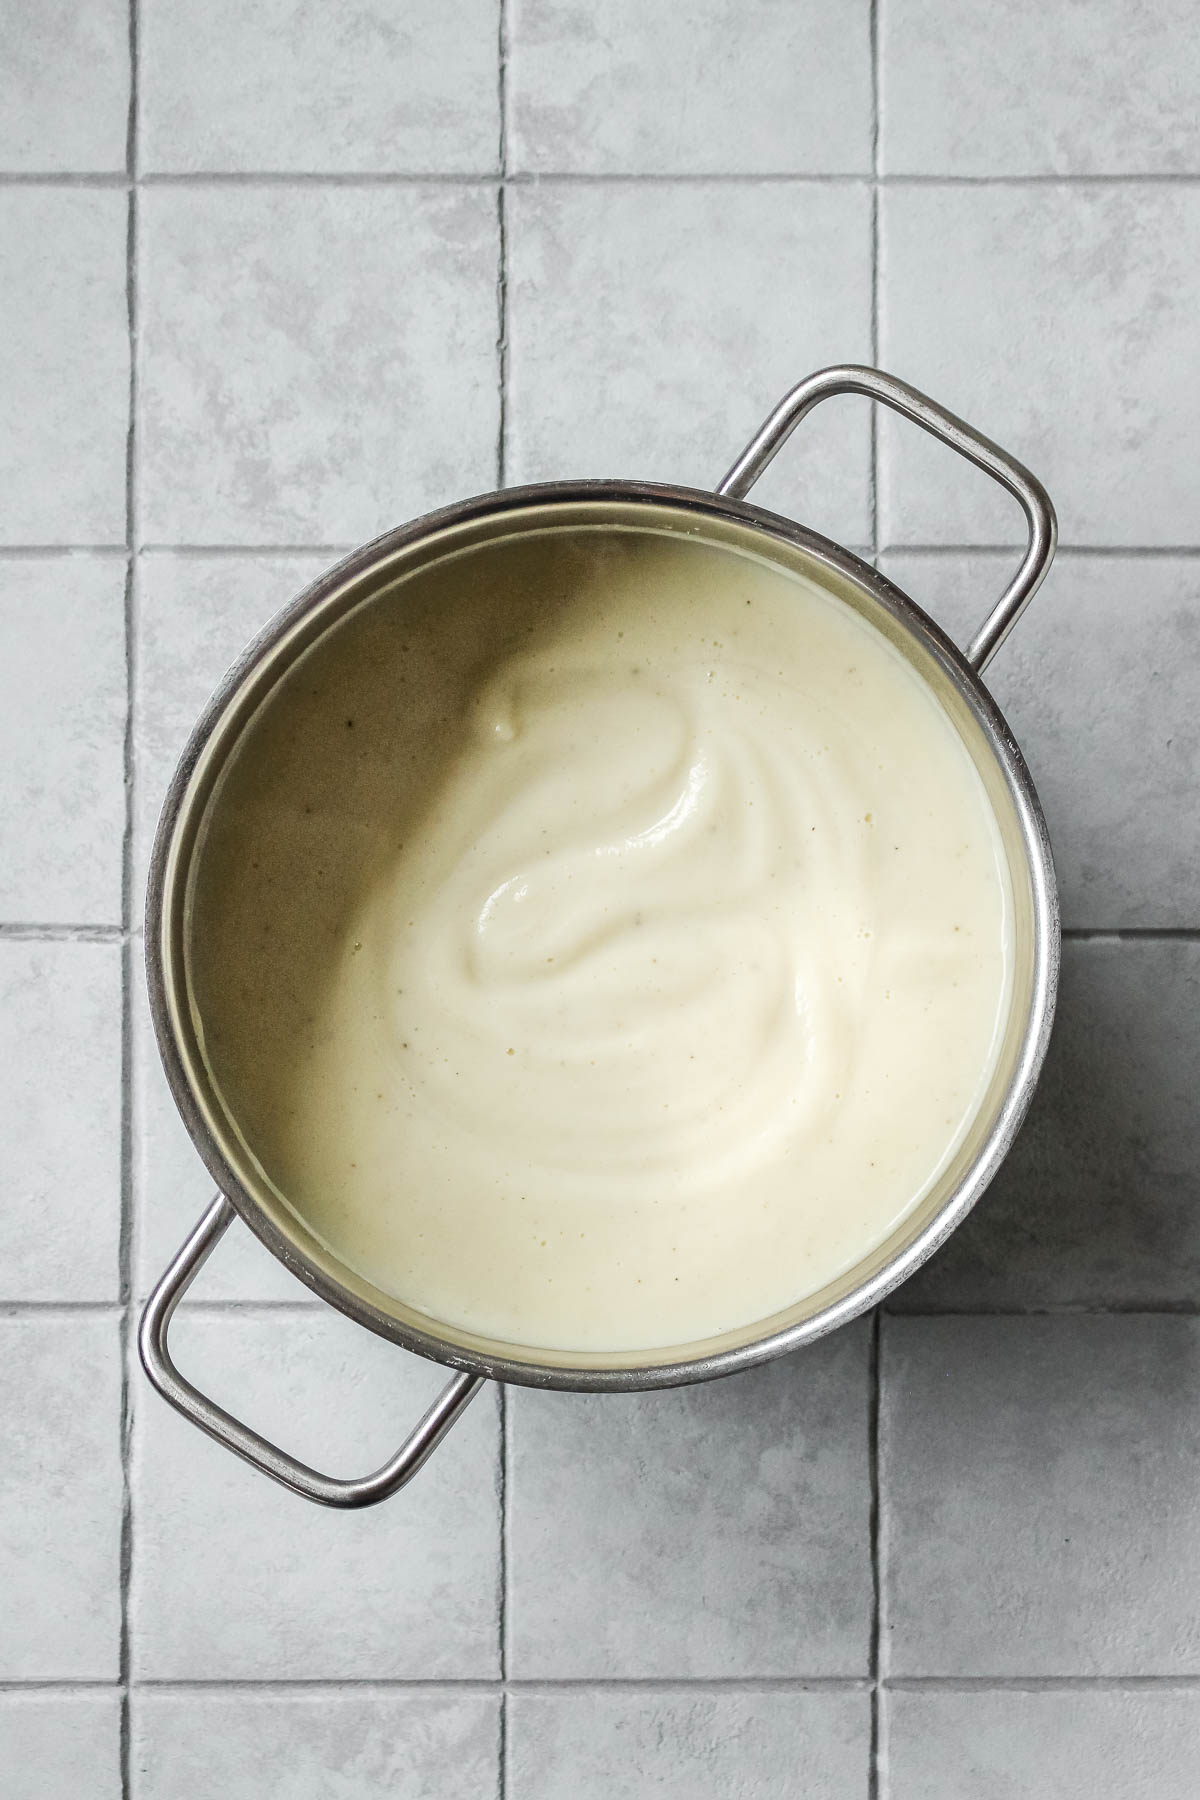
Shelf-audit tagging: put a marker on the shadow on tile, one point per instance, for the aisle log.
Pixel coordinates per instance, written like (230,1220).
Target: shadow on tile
(1098,1203)
(1038,1482)
(713,1531)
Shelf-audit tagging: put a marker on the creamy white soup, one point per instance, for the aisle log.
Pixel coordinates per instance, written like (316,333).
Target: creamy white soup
(602,942)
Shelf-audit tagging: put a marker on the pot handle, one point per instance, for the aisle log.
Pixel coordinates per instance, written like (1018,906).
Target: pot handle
(1028,490)
(327,1490)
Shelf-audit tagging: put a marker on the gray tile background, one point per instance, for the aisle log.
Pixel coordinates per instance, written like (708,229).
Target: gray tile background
(275,277)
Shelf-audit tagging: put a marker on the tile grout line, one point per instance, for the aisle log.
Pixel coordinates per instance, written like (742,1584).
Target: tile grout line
(501,481)
(1042,1684)
(304,1308)
(1114,1309)
(1113,550)
(680,1684)
(665,1684)
(57,1684)
(19,1309)
(502,227)
(873,1476)
(502,1618)
(113,179)
(1136,1309)
(19,930)
(126,1281)
(1089,934)
(251,550)
(14,551)
(882,1660)
(502,422)
(874,1766)
(873,29)
(218,178)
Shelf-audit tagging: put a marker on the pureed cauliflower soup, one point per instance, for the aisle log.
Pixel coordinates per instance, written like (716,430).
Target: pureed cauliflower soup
(602,941)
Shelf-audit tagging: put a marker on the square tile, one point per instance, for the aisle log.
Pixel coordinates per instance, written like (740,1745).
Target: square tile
(691,1744)
(372,88)
(652,328)
(334,1746)
(1098,1202)
(403,1591)
(62,739)
(64,87)
(64,365)
(1039,1481)
(57,1746)
(1008,89)
(1058,320)
(715,1530)
(60,1496)
(60,1120)
(1101,685)
(317,363)
(703,89)
(1142,1745)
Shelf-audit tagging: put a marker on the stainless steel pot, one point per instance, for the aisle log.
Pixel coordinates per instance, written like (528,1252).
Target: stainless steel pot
(726,518)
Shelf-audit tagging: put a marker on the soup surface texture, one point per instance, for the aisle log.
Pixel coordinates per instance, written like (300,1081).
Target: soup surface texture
(601,940)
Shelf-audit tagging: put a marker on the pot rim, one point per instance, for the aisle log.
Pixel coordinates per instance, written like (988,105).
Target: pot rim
(165,893)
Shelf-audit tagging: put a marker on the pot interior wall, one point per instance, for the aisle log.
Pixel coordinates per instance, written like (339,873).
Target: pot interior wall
(472,549)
